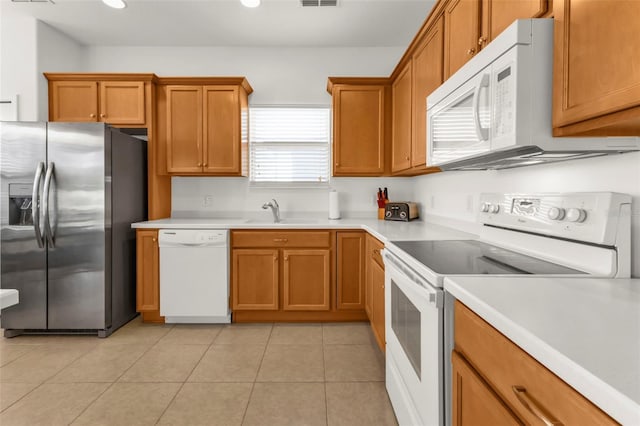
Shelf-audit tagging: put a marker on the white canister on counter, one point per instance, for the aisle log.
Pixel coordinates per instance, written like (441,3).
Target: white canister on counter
(334,205)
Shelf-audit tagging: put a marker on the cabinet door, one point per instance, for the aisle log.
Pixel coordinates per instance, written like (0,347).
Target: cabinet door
(350,266)
(377,310)
(147,271)
(255,279)
(499,14)
(427,76)
(596,69)
(306,279)
(358,130)
(474,403)
(73,101)
(221,141)
(184,129)
(122,102)
(461,33)
(401,120)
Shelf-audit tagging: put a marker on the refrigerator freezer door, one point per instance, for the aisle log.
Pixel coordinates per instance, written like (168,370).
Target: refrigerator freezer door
(79,243)
(23,146)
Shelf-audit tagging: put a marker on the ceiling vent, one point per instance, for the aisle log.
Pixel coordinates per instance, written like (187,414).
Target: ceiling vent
(315,3)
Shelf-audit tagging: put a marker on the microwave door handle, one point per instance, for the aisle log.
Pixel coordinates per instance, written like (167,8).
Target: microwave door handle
(483,133)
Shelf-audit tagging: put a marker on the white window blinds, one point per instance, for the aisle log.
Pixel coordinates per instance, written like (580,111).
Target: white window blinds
(289,144)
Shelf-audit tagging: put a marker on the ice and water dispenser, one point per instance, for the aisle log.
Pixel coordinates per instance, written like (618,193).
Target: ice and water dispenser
(20,203)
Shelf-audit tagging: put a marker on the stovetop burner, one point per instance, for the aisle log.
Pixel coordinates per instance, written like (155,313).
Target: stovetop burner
(471,257)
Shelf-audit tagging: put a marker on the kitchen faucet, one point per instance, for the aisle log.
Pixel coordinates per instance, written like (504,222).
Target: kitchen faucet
(275,209)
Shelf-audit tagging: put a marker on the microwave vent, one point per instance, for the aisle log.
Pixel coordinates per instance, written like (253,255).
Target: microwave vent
(316,3)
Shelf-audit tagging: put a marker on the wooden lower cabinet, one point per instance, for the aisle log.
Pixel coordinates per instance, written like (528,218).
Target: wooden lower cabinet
(306,280)
(351,270)
(496,382)
(474,403)
(375,289)
(291,276)
(255,279)
(148,275)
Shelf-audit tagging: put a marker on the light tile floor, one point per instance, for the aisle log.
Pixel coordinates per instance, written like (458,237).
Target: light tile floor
(238,374)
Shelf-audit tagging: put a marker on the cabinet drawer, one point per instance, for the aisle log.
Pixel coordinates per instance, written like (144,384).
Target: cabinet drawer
(280,239)
(505,366)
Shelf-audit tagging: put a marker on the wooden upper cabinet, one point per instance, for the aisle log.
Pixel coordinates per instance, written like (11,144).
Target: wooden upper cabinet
(358,129)
(221,142)
(122,102)
(306,280)
(205,128)
(75,101)
(147,271)
(254,284)
(116,99)
(184,129)
(427,76)
(461,33)
(596,67)
(499,14)
(474,403)
(350,267)
(401,120)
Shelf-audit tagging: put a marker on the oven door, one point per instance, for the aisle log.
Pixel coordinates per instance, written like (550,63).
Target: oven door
(414,333)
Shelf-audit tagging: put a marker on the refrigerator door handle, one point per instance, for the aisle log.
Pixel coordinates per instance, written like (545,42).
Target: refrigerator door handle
(45,204)
(35,204)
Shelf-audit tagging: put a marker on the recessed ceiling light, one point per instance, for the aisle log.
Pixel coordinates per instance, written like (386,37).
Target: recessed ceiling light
(250,3)
(116,4)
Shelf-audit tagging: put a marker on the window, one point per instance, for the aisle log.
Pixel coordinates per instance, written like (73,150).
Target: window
(289,145)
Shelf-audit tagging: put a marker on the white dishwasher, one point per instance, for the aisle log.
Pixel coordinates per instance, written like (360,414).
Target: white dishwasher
(194,275)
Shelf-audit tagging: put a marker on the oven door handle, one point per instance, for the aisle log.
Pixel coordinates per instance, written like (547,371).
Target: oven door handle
(434,296)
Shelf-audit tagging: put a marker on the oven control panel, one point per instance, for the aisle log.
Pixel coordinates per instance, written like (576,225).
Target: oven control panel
(591,217)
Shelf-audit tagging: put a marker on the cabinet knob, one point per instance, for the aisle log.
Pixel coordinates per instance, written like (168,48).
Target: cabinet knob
(199,164)
(103,115)
(481,41)
(471,51)
(337,163)
(204,165)
(286,258)
(275,258)
(92,116)
(407,158)
(280,240)
(154,239)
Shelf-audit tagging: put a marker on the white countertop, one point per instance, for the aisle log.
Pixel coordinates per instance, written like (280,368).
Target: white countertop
(585,330)
(382,229)
(8,297)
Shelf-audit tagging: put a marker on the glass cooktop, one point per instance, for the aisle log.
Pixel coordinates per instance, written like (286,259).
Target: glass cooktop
(462,257)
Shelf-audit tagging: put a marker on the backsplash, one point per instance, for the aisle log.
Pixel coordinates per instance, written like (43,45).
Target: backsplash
(232,195)
(455,194)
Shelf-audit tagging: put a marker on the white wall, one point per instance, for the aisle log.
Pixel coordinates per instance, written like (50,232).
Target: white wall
(277,75)
(232,195)
(18,66)
(455,194)
(56,53)
(29,47)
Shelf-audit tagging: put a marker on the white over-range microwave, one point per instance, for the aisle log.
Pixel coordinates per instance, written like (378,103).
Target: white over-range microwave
(495,112)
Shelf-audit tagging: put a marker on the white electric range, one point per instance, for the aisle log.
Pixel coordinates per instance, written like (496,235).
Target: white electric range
(551,235)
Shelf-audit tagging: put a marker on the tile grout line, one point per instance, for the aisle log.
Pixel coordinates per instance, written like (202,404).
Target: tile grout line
(186,378)
(115,381)
(253,385)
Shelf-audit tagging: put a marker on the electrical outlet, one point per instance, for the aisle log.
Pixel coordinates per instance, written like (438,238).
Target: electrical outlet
(470,203)
(207,201)
(433,202)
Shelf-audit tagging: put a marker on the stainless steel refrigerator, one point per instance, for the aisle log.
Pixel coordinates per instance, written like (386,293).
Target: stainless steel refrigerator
(69,193)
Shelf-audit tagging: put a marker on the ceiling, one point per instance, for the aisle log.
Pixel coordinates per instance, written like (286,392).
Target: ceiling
(353,23)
